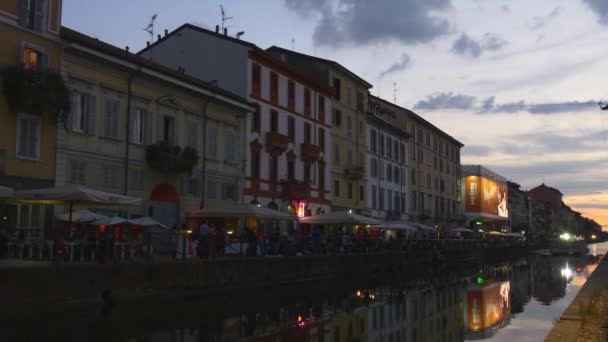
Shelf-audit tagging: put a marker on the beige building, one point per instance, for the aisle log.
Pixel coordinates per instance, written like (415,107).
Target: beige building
(349,116)
(144,130)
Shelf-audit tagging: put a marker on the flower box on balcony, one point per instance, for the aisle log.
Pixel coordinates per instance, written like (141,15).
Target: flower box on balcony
(164,157)
(276,142)
(310,152)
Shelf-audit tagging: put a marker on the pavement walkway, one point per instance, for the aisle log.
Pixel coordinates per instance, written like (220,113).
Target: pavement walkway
(586,319)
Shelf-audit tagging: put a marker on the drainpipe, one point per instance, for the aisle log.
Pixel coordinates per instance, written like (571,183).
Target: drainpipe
(128,126)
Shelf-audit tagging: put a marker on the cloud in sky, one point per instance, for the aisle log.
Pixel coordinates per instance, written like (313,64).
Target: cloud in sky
(600,7)
(479,150)
(403,63)
(539,22)
(468,46)
(505,8)
(364,22)
(488,105)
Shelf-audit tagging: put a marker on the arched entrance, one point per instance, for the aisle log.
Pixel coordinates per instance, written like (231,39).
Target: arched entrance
(163,207)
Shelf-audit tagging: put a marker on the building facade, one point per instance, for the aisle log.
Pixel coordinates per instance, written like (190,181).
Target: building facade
(348,133)
(30,45)
(519,208)
(386,162)
(132,124)
(288,140)
(485,199)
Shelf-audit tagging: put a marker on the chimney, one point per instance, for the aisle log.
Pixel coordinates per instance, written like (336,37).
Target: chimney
(127,48)
(166,32)
(158,36)
(238,35)
(217,28)
(148,43)
(225,31)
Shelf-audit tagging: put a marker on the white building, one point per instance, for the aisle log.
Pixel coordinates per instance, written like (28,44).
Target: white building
(288,137)
(386,164)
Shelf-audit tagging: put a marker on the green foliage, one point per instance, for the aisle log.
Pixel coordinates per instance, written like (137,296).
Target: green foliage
(35,91)
(164,157)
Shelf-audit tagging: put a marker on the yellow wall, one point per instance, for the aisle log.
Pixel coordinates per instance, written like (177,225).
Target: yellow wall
(355,141)
(12,37)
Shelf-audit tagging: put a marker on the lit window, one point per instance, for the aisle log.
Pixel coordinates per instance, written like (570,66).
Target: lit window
(32,58)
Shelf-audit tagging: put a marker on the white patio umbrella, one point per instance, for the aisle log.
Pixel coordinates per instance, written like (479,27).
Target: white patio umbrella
(338,217)
(515,235)
(6,192)
(243,210)
(398,225)
(424,227)
(111,221)
(81,216)
(460,230)
(147,222)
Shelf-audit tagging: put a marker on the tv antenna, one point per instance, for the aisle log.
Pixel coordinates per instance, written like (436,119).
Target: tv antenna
(395,92)
(150,27)
(293,44)
(225,18)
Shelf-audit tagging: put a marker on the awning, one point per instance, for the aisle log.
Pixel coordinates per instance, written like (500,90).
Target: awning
(81,216)
(398,225)
(515,235)
(6,192)
(111,221)
(424,227)
(74,194)
(340,217)
(147,222)
(495,233)
(460,230)
(243,210)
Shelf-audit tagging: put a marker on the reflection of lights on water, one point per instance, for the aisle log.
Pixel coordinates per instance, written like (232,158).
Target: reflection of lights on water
(566,272)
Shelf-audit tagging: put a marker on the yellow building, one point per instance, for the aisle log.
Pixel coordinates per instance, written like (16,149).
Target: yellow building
(348,136)
(137,128)
(29,32)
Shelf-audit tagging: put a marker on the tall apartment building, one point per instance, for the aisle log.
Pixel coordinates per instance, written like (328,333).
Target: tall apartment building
(348,126)
(29,31)
(434,172)
(386,162)
(125,108)
(288,140)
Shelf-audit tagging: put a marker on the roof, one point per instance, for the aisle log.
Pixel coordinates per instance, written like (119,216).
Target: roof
(321,60)
(547,187)
(244,43)
(387,126)
(420,119)
(73,36)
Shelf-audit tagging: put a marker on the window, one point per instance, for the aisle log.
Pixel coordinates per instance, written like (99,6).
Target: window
(381,145)
(360,101)
(322,139)
(137,179)
(77,172)
(428,181)
(337,154)
(138,126)
(338,118)
(396,149)
(32,14)
(291,169)
(229,191)
(403,203)
(192,134)
(190,186)
(381,199)
(372,140)
(307,133)
(396,175)
(307,102)
(350,157)
(255,120)
(274,168)
(350,96)
(255,164)
(435,162)
(337,188)
(108,176)
(413,201)
(256,77)
(389,173)
(361,193)
(396,204)
(321,178)
(349,125)
(321,109)
(211,189)
(28,136)
(307,177)
(442,186)
(80,112)
(32,58)
(337,88)
(349,191)
(374,168)
(167,129)
(361,128)
(374,199)
(291,96)
(274,121)
(413,177)
(211,141)
(230,144)
(389,201)
(291,129)
(403,153)
(274,88)
(389,147)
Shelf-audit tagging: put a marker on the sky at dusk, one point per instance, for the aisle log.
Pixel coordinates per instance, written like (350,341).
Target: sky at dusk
(517,81)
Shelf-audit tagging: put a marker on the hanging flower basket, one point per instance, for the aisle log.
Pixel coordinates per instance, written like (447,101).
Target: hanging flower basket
(35,91)
(164,157)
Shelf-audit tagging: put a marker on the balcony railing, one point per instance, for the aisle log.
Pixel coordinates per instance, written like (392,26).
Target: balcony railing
(310,152)
(276,142)
(295,190)
(354,172)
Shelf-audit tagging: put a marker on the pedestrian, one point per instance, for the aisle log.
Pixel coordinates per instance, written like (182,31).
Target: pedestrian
(220,240)
(261,243)
(203,239)
(212,250)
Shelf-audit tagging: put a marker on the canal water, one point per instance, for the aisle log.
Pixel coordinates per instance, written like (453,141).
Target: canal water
(510,301)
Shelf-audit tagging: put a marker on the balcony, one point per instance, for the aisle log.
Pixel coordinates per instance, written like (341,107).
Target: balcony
(276,142)
(354,172)
(295,190)
(310,152)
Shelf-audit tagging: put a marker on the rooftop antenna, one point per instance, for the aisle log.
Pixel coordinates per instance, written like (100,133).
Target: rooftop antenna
(224,18)
(150,27)
(395,92)
(293,44)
